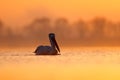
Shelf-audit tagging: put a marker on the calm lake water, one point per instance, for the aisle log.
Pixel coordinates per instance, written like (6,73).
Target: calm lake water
(81,63)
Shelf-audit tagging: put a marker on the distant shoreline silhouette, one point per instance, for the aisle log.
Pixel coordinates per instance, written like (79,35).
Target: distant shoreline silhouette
(98,31)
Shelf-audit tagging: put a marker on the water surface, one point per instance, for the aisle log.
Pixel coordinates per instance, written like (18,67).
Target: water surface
(83,63)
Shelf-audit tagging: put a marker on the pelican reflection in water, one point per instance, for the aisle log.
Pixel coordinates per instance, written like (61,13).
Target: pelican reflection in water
(48,50)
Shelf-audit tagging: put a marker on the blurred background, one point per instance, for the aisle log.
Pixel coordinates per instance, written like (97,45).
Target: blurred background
(75,23)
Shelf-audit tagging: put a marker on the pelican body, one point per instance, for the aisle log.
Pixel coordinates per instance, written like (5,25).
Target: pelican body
(48,50)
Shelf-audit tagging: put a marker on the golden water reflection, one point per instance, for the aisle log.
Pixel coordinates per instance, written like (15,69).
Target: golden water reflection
(73,64)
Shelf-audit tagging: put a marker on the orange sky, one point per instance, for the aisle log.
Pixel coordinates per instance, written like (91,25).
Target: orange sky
(20,12)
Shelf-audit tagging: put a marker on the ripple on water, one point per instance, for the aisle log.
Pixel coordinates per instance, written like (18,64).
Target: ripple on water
(69,56)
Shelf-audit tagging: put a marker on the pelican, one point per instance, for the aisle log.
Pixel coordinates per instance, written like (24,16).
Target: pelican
(48,50)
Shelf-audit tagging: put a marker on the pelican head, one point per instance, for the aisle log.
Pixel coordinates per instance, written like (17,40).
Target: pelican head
(53,41)
(51,35)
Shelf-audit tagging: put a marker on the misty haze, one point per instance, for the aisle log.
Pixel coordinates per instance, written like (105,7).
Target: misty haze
(96,32)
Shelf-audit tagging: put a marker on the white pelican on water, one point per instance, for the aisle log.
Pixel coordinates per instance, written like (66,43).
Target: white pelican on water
(48,50)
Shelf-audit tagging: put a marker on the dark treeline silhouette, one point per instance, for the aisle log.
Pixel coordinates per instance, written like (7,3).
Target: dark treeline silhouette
(96,32)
